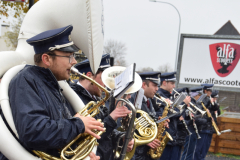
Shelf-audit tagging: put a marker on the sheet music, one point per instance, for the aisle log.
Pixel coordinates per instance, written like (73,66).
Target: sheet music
(124,81)
(139,98)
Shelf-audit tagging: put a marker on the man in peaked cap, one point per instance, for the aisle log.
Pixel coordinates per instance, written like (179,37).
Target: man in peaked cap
(191,140)
(90,92)
(44,119)
(172,150)
(215,96)
(150,84)
(206,130)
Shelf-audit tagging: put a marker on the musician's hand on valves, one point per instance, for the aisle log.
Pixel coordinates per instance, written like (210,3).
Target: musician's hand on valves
(181,118)
(93,156)
(90,124)
(154,144)
(168,101)
(120,112)
(187,100)
(130,145)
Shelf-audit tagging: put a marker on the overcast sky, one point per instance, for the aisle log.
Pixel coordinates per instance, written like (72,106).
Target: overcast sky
(150,29)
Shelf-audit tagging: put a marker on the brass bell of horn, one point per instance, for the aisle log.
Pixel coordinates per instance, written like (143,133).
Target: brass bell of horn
(110,73)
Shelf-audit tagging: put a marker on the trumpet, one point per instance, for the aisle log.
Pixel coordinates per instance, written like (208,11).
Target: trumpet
(84,142)
(194,106)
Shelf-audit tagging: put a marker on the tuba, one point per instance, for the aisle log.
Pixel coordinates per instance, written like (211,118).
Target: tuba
(156,153)
(87,34)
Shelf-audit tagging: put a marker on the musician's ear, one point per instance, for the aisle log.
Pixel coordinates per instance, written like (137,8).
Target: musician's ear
(144,85)
(89,74)
(46,59)
(164,83)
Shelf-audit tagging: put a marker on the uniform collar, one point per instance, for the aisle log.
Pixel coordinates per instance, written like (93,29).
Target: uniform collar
(46,76)
(78,83)
(165,93)
(145,98)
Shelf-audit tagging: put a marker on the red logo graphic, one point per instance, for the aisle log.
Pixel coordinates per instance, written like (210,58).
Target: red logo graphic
(225,57)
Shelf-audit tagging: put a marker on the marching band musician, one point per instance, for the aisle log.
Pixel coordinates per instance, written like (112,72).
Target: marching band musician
(206,130)
(150,86)
(44,119)
(191,140)
(89,92)
(172,150)
(215,96)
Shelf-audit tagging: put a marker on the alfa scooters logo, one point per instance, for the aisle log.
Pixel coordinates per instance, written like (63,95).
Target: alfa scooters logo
(225,57)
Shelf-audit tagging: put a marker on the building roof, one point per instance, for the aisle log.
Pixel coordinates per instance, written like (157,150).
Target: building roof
(227,29)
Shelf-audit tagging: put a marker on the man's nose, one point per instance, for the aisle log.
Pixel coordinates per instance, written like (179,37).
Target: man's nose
(74,61)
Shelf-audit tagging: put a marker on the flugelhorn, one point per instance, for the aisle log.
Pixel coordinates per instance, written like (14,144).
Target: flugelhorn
(194,106)
(84,142)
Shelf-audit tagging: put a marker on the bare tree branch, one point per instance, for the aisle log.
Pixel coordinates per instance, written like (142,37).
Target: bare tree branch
(146,69)
(165,68)
(117,50)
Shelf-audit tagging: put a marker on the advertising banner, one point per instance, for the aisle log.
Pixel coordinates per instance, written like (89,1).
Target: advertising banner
(209,59)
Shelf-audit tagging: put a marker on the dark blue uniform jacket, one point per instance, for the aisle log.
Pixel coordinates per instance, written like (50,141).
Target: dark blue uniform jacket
(42,116)
(207,127)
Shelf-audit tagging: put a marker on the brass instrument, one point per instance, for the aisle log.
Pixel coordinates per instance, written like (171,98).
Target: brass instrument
(156,153)
(194,106)
(120,152)
(146,132)
(84,142)
(213,122)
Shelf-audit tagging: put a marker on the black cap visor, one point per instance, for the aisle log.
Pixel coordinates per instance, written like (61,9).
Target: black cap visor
(155,81)
(72,48)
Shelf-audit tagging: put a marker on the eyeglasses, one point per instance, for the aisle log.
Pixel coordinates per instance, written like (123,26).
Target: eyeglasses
(70,57)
